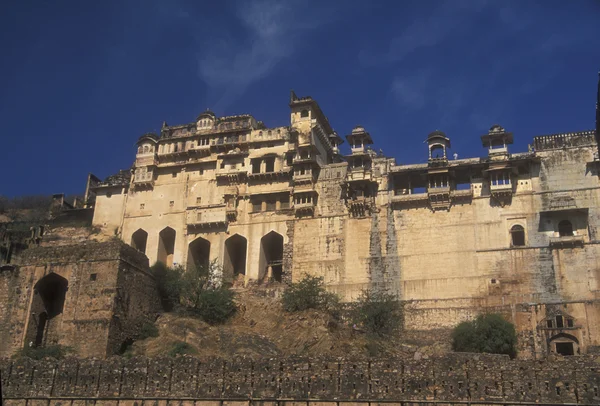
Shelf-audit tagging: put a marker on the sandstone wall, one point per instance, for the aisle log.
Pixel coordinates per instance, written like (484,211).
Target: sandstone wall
(458,378)
(109,294)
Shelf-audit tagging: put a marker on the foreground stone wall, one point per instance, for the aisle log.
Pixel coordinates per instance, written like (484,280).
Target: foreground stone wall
(456,378)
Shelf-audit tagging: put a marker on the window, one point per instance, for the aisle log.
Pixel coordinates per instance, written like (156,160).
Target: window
(304,113)
(142,206)
(549,323)
(198,200)
(93,276)
(270,165)
(271,205)
(285,202)
(140,150)
(559,322)
(517,234)
(171,203)
(256,205)
(255,165)
(201,172)
(145,149)
(565,228)
(569,322)
(174,174)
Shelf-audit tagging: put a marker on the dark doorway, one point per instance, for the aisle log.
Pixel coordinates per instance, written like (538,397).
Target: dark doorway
(139,240)
(198,253)
(565,348)
(166,246)
(48,302)
(235,256)
(517,233)
(565,228)
(271,256)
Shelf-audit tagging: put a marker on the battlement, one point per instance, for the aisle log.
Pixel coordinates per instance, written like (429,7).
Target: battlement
(454,379)
(566,140)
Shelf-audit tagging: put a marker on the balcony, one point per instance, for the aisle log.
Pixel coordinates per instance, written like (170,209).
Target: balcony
(499,189)
(304,209)
(232,174)
(410,197)
(462,194)
(567,241)
(143,180)
(207,217)
(360,174)
(231,213)
(282,174)
(360,206)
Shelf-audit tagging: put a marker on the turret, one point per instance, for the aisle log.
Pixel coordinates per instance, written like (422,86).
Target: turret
(438,145)
(496,141)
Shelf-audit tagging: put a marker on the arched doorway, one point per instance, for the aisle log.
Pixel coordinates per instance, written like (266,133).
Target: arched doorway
(198,253)
(235,256)
(48,303)
(564,344)
(271,256)
(139,240)
(166,246)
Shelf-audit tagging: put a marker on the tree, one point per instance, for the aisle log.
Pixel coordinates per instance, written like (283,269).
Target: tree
(379,313)
(488,333)
(308,293)
(196,289)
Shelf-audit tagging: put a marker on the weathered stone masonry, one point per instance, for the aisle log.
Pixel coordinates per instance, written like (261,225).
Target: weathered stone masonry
(458,378)
(91,297)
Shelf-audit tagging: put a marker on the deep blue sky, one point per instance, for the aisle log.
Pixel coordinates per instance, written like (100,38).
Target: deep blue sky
(80,81)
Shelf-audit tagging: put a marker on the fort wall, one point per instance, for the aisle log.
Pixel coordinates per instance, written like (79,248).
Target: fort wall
(455,379)
(90,297)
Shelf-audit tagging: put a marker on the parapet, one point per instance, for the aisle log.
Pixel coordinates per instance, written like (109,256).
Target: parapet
(460,378)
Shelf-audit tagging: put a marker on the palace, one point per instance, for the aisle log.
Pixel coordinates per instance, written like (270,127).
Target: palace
(511,232)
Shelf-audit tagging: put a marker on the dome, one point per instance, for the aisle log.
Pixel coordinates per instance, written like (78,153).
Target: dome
(358,129)
(437,134)
(496,128)
(206,114)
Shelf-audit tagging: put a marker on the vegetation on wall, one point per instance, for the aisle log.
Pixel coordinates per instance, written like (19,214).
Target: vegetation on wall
(51,351)
(309,293)
(378,313)
(488,333)
(195,289)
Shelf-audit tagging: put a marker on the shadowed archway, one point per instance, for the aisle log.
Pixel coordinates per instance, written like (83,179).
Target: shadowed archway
(235,257)
(271,256)
(48,303)
(198,253)
(166,246)
(139,239)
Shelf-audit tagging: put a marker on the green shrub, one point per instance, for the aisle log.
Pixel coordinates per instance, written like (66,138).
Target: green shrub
(181,348)
(309,293)
(378,313)
(147,330)
(51,351)
(488,333)
(215,306)
(170,285)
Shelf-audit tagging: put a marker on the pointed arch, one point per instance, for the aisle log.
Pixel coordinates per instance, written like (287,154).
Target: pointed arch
(166,246)
(271,256)
(234,264)
(139,239)
(48,303)
(198,253)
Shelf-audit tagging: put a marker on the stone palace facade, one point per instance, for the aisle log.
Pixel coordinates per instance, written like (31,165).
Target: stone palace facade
(515,233)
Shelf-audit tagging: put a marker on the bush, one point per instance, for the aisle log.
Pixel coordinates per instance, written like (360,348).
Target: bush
(51,351)
(215,306)
(181,348)
(488,333)
(147,330)
(378,313)
(309,293)
(196,289)
(169,282)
